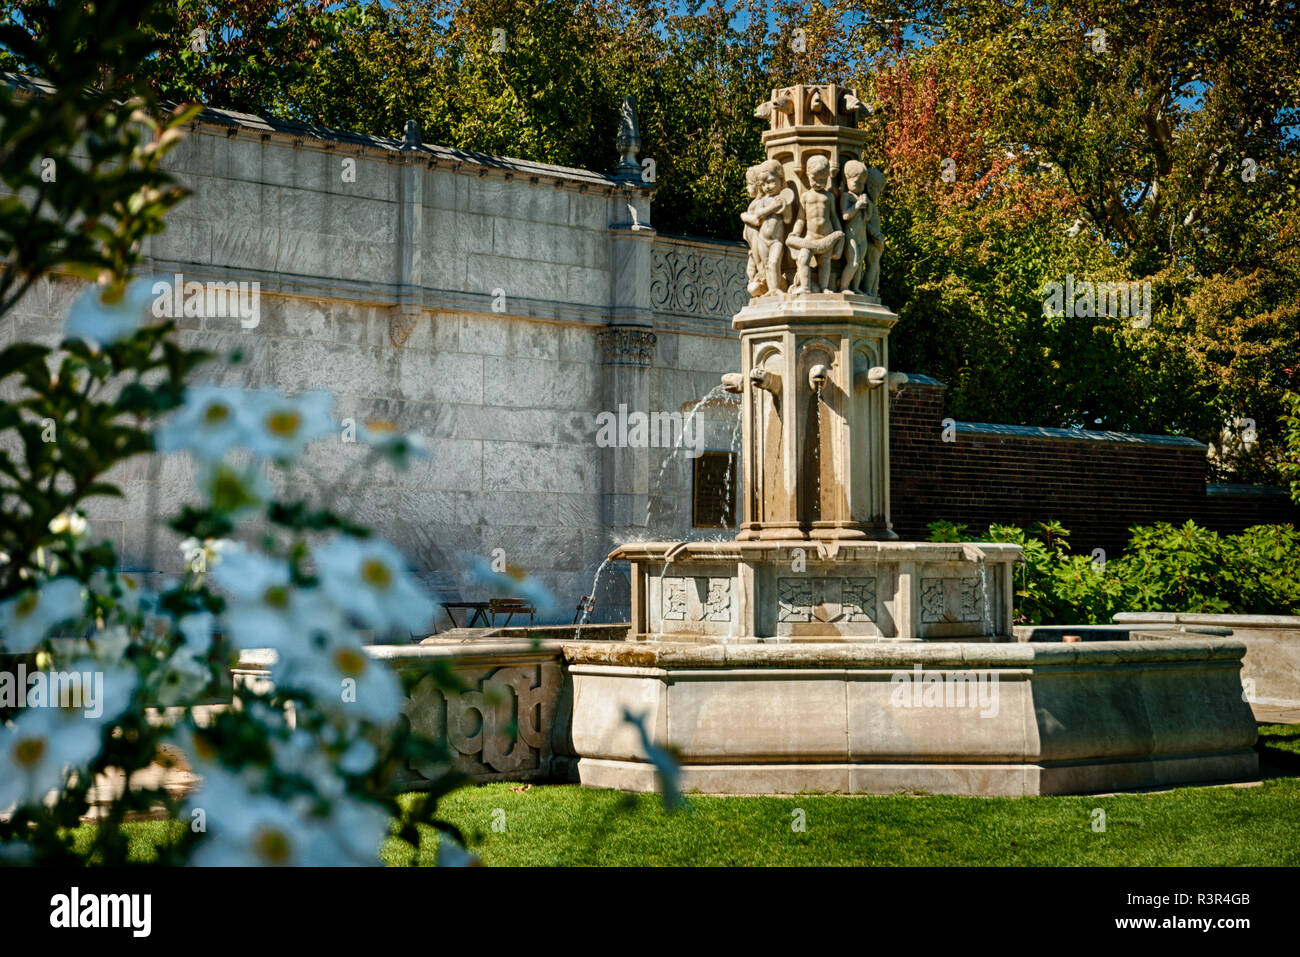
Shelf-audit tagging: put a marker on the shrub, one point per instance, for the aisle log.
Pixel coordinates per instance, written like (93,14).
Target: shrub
(1165,567)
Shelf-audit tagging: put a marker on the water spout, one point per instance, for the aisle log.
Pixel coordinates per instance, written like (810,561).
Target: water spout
(767,381)
(973,553)
(868,377)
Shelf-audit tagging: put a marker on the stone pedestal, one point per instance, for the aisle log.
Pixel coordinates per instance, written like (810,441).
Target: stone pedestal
(758,591)
(815,417)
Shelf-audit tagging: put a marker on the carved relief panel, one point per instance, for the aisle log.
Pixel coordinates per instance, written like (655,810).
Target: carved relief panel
(695,598)
(501,725)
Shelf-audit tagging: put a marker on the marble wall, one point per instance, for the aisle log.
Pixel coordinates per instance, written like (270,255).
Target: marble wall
(487,304)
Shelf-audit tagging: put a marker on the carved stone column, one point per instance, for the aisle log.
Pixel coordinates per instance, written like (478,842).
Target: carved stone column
(627,353)
(815,418)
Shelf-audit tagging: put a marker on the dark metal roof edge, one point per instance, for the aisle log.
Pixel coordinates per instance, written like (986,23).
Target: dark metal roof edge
(289,128)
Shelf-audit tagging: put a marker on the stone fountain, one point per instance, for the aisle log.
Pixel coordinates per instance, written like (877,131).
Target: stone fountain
(816,557)
(818,652)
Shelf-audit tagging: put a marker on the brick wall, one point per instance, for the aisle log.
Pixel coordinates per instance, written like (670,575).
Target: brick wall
(1096,484)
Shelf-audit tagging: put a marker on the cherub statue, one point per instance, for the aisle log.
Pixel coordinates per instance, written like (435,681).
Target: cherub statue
(817,232)
(766,218)
(876,238)
(754,266)
(855,211)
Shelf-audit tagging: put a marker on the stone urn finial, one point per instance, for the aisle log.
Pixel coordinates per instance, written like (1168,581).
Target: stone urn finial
(628,141)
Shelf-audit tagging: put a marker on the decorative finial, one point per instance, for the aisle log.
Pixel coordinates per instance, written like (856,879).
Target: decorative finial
(628,141)
(411,136)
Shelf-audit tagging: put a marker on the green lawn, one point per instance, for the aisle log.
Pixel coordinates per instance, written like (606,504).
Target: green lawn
(571,825)
(1277,738)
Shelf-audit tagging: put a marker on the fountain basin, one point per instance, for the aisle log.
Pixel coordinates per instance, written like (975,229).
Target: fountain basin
(808,590)
(942,718)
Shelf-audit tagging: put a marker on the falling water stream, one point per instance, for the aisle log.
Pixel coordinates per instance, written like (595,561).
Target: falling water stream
(976,554)
(717,392)
(591,599)
(817,484)
(731,467)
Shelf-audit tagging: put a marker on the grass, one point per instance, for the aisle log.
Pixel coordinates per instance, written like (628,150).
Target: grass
(1280,740)
(566,825)
(562,825)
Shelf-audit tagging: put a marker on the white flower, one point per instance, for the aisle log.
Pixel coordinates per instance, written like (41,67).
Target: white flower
(359,757)
(249,829)
(36,752)
(514,581)
(302,756)
(103,323)
(113,696)
(130,598)
(110,645)
(280,427)
(26,618)
(181,679)
(368,579)
(452,854)
(344,681)
(197,629)
(246,573)
(213,420)
(201,555)
(70,523)
(267,610)
(354,833)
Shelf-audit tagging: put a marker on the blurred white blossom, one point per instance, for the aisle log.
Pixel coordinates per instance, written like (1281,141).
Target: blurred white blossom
(101,322)
(368,578)
(28,617)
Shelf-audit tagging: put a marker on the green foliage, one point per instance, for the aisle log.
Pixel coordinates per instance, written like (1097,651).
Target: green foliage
(83,183)
(1164,568)
(1290,466)
(316,790)
(1115,166)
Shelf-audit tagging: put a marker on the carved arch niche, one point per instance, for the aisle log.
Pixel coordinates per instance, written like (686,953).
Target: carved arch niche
(771,491)
(818,432)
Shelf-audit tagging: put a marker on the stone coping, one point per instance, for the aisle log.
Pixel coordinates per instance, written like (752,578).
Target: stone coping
(816,309)
(1149,630)
(262,659)
(1288,622)
(1268,491)
(929,382)
(261,126)
(902,655)
(781,655)
(816,550)
(1078,435)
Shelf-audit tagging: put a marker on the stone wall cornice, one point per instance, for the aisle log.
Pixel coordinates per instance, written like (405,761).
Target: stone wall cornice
(213,121)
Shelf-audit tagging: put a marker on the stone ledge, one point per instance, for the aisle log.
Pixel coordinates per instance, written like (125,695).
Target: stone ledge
(966,779)
(1287,622)
(902,655)
(815,551)
(1076,435)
